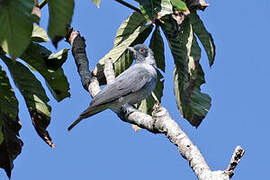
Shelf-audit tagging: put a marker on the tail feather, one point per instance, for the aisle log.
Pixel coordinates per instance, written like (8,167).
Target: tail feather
(90,111)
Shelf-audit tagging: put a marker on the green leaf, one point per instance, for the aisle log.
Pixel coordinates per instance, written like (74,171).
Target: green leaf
(97,2)
(16,25)
(147,104)
(129,26)
(204,36)
(188,74)
(39,34)
(157,46)
(1,132)
(49,66)
(162,7)
(11,146)
(123,63)
(8,100)
(179,5)
(152,9)
(56,60)
(34,96)
(60,16)
(147,8)
(129,34)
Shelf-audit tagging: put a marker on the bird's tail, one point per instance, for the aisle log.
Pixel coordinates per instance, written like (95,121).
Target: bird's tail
(90,111)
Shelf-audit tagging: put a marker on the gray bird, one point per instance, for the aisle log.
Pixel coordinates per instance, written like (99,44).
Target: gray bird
(132,86)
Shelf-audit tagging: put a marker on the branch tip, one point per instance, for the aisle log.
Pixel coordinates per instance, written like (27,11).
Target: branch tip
(236,157)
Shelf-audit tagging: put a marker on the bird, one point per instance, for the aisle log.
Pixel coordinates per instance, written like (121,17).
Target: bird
(132,86)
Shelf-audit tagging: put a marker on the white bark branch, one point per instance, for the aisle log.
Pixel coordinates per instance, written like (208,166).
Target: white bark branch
(93,87)
(236,157)
(108,71)
(161,122)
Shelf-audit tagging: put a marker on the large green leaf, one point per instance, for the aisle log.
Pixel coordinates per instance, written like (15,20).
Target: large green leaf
(204,36)
(129,34)
(128,26)
(49,66)
(188,74)
(8,100)
(11,147)
(10,144)
(157,46)
(97,2)
(60,16)
(34,96)
(16,25)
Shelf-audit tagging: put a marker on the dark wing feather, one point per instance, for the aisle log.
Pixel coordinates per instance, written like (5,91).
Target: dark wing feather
(131,80)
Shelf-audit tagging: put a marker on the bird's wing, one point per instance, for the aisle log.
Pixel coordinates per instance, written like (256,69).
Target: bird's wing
(131,80)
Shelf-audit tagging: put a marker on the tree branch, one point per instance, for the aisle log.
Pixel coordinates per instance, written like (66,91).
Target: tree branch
(128,5)
(78,51)
(43,3)
(237,155)
(159,122)
(36,12)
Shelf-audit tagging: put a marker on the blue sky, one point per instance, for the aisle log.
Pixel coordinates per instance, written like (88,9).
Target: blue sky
(104,147)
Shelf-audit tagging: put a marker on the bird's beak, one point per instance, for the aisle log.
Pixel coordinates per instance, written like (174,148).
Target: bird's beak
(131,49)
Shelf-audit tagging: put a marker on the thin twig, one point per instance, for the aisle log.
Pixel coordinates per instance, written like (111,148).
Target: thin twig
(36,12)
(128,5)
(43,3)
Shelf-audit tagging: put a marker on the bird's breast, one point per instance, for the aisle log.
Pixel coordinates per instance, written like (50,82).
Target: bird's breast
(147,89)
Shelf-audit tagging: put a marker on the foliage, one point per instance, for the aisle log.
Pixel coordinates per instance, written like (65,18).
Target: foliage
(60,16)
(15,15)
(20,39)
(182,39)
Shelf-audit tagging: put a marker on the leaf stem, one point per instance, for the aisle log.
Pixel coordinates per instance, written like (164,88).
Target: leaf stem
(43,3)
(128,5)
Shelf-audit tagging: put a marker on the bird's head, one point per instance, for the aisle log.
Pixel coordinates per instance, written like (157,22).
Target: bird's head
(143,54)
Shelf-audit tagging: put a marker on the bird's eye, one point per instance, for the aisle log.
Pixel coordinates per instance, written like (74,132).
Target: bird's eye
(141,51)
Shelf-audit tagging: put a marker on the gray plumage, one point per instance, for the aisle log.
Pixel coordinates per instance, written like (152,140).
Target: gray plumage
(132,86)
